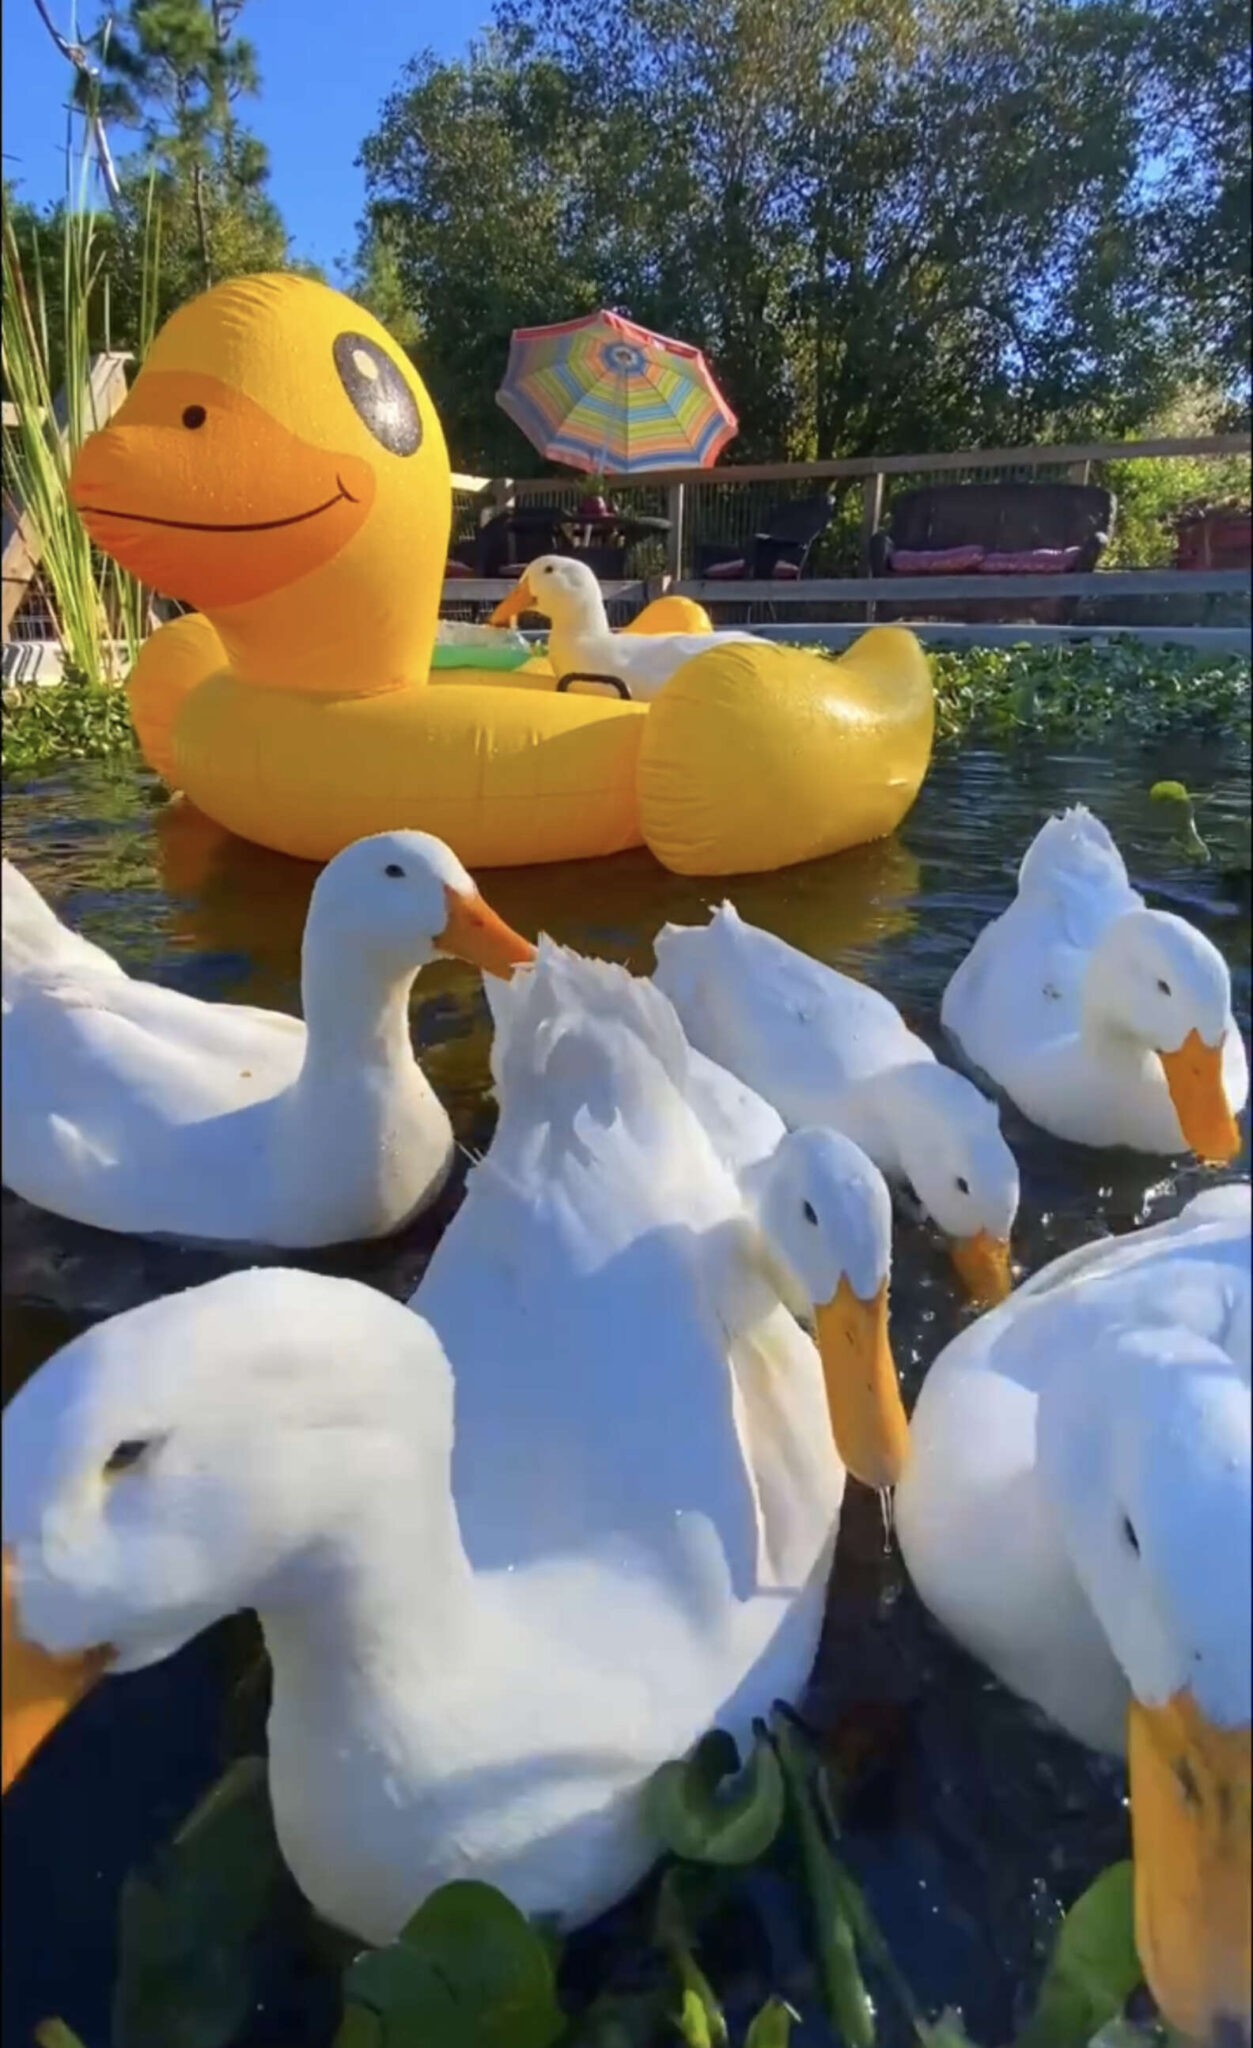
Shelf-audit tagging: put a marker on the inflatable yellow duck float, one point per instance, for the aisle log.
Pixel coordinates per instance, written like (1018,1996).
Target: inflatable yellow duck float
(280,466)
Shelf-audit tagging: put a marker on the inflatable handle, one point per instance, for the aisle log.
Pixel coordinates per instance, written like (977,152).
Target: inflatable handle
(582,676)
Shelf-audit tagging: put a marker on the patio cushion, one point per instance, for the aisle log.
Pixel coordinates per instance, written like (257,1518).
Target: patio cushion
(728,570)
(1030,562)
(963,561)
(785,572)
(452,568)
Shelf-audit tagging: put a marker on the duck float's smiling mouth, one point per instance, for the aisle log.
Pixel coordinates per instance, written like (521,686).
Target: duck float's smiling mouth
(209,526)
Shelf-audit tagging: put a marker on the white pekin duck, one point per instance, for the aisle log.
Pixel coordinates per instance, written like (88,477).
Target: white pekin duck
(143,1110)
(1107,1023)
(461,1690)
(822,1048)
(581,642)
(1075,1509)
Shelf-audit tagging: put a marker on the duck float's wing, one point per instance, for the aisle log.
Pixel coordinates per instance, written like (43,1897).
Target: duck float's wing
(593,1385)
(1020,985)
(646,662)
(796,1031)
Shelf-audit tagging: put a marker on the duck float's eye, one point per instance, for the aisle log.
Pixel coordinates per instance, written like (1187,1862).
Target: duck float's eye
(809,1212)
(963,1185)
(194,416)
(1164,986)
(394,869)
(380,396)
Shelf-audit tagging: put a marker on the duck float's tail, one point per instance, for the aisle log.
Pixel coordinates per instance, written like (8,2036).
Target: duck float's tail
(177,658)
(33,939)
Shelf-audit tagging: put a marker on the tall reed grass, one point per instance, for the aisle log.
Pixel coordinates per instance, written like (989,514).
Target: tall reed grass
(100,614)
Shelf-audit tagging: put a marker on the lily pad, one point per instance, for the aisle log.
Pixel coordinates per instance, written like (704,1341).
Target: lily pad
(706,1809)
(1093,1969)
(467,1972)
(188,1923)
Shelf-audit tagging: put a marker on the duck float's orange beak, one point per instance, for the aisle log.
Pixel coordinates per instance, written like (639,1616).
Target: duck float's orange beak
(1190,1808)
(201,493)
(38,1689)
(520,599)
(475,932)
(1194,1076)
(863,1393)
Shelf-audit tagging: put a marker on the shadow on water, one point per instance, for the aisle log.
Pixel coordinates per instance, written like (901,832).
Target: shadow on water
(971,1823)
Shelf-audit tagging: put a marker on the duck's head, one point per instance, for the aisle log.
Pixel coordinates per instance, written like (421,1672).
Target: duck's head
(826,1220)
(1144,1456)
(1157,978)
(211,1451)
(961,1170)
(390,903)
(279,453)
(559,589)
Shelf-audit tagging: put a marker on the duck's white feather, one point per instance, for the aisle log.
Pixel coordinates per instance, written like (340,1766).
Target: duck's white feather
(999,1551)
(144,1110)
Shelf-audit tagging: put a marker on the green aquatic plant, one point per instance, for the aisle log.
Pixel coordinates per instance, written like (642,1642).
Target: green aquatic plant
(706,1808)
(96,606)
(44,725)
(467,1971)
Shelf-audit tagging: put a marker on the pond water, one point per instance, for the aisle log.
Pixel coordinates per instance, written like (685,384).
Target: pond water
(970,1824)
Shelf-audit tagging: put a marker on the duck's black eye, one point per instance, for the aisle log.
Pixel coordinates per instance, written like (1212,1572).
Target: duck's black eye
(1130,1538)
(124,1456)
(380,396)
(1164,987)
(810,1213)
(963,1184)
(194,416)
(394,869)
(548,568)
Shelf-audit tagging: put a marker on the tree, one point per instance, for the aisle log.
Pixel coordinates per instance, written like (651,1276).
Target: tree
(889,227)
(175,72)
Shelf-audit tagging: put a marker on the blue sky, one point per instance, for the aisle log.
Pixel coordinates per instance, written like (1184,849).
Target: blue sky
(325,69)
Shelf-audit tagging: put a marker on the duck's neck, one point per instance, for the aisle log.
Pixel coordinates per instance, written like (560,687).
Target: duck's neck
(356,1013)
(573,642)
(878,1114)
(377,1606)
(365,644)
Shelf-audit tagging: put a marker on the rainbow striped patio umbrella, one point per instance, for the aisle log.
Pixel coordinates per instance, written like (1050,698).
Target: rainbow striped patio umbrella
(604,395)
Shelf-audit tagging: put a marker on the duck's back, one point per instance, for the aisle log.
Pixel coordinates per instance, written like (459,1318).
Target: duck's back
(1020,986)
(796,1031)
(101,1072)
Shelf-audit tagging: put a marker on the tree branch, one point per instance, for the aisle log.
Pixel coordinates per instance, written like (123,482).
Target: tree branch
(75,54)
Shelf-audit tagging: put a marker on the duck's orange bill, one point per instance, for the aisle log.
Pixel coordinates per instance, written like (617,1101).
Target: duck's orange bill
(475,933)
(863,1394)
(38,1689)
(520,599)
(1194,1076)
(1190,1831)
(982,1265)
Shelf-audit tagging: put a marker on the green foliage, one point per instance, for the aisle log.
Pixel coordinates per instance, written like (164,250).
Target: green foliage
(1070,691)
(50,310)
(1093,1969)
(707,1809)
(70,721)
(889,227)
(174,72)
(467,1972)
(187,1925)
